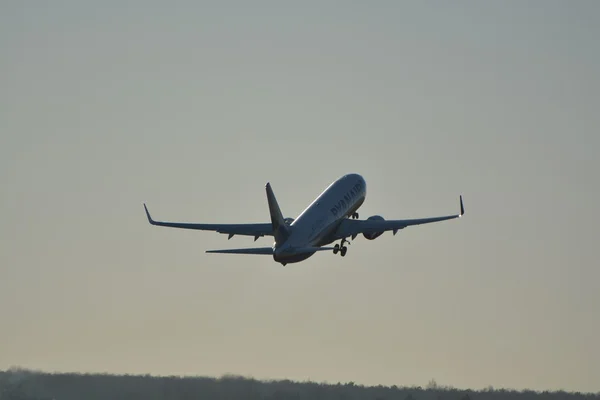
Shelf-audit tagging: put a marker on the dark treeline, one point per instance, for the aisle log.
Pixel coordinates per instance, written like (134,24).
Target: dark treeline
(21,384)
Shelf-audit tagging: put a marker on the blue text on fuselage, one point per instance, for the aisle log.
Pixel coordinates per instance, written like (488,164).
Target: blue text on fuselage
(343,204)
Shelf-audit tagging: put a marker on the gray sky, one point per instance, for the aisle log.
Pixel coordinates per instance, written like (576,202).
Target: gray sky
(192,107)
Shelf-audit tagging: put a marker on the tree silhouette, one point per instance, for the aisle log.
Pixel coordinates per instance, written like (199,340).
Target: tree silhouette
(19,384)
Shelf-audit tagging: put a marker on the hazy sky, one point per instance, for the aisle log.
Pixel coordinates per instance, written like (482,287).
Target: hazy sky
(192,107)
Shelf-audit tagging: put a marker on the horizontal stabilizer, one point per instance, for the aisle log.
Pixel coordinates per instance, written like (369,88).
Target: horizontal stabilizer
(255,250)
(311,249)
(269,250)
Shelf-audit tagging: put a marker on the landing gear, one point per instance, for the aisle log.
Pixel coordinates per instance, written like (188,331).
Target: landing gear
(341,248)
(354,215)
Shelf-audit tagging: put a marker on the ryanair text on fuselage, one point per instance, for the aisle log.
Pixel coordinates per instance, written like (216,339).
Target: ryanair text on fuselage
(343,204)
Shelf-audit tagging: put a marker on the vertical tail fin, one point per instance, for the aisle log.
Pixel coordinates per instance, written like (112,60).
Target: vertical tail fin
(280,229)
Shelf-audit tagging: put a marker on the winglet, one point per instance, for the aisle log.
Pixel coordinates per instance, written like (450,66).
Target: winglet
(148,215)
(462,208)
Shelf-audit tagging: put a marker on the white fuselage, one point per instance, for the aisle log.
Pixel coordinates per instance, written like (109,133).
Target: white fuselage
(315,224)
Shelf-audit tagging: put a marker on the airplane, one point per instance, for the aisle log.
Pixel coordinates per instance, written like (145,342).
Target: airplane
(330,217)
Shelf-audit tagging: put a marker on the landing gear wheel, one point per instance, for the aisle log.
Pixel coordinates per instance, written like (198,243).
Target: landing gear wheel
(340,248)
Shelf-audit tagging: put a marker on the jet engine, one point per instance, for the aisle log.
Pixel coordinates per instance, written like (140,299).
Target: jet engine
(373,235)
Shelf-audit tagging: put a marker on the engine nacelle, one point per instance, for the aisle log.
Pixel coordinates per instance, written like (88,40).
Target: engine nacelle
(374,235)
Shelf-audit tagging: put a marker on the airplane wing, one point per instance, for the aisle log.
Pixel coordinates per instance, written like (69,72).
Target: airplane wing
(351,228)
(256,230)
